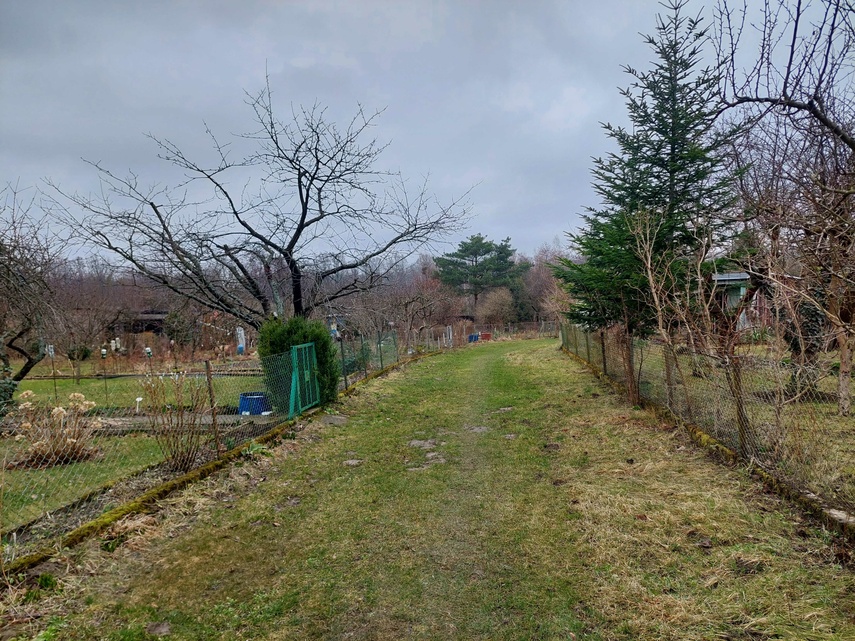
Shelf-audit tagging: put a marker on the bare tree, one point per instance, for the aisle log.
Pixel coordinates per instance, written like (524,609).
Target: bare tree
(27,258)
(548,298)
(800,154)
(803,63)
(93,300)
(315,220)
(798,183)
(496,307)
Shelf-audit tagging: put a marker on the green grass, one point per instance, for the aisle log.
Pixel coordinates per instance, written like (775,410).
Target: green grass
(591,521)
(27,493)
(122,392)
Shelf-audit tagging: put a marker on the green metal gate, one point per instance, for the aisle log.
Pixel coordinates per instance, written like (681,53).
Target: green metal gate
(305,392)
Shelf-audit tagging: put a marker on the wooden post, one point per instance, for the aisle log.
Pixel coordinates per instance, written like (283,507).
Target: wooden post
(343,362)
(603,350)
(213,402)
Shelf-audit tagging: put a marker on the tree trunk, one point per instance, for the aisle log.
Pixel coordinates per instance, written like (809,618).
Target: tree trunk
(603,351)
(670,384)
(804,374)
(695,347)
(733,372)
(632,391)
(296,287)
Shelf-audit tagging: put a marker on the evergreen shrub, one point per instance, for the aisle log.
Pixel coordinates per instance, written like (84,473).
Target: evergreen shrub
(276,337)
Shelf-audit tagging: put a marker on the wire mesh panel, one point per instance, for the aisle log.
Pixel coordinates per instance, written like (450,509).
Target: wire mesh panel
(72,447)
(361,355)
(780,414)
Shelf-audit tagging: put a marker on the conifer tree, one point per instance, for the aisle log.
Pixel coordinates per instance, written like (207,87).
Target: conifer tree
(664,191)
(478,265)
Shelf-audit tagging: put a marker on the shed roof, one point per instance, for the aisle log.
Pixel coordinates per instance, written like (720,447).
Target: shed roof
(730,277)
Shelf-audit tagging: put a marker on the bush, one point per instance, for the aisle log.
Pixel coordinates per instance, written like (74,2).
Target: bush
(79,352)
(276,337)
(54,435)
(175,406)
(359,361)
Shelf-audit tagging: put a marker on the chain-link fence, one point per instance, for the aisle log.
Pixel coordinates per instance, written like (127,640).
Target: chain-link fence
(532,329)
(70,448)
(362,355)
(780,414)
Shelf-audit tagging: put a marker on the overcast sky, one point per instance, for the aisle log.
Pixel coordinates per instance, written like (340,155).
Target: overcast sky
(503,96)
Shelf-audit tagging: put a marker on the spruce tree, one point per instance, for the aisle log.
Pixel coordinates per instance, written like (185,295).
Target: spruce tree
(668,172)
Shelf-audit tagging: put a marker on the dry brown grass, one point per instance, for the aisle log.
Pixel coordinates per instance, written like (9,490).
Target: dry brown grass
(681,548)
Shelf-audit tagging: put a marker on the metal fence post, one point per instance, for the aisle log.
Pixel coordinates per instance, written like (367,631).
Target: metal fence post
(213,401)
(295,383)
(362,355)
(380,347)
(588,344)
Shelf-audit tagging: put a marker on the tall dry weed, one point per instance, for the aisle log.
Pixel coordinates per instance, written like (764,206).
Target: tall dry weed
(176,406)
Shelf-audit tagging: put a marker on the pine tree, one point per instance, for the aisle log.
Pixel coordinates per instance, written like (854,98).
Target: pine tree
(478,265)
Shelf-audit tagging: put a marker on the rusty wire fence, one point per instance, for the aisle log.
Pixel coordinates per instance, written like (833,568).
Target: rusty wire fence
(71,449)
(774,412)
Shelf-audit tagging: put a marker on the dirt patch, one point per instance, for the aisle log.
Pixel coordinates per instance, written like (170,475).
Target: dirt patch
(429,444)
(433,458)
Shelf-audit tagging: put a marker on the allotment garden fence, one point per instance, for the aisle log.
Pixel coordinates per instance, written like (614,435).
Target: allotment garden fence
(774,413)
(71,449)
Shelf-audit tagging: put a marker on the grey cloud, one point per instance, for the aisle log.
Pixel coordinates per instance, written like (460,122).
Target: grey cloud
(507,95)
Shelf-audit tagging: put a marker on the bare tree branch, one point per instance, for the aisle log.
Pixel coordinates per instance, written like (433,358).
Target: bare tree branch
(313,209)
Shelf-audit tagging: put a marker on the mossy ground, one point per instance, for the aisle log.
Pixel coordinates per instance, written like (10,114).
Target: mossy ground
(497,492)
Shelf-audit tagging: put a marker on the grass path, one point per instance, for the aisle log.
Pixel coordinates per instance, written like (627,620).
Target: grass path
(497,492)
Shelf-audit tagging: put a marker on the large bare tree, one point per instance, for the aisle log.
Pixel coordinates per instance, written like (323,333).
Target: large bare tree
(799,154)
(798,183)
(304,218)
